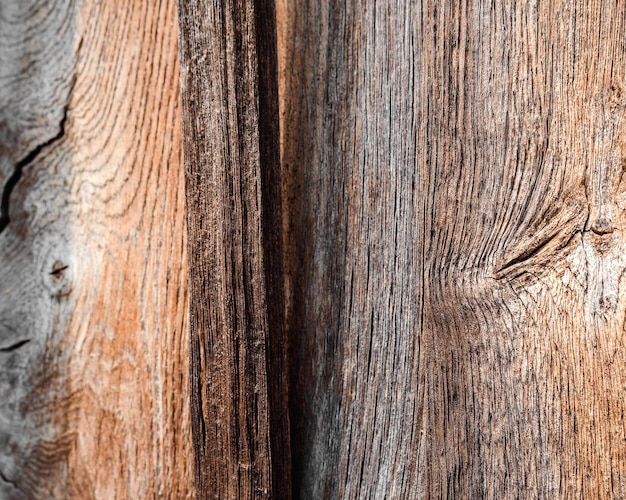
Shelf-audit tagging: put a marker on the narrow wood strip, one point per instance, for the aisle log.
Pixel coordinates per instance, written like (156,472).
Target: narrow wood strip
(239,391)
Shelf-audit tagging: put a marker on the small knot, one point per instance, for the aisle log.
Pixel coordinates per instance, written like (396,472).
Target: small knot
(57,269)
(602,226)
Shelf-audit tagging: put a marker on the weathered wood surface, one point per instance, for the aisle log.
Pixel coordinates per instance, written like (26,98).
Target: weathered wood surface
(93,296)
(454,251)
(238,354)
(454,211)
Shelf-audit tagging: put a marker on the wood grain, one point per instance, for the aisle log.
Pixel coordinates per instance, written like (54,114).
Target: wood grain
(93,294)
(238,352)
(454,213)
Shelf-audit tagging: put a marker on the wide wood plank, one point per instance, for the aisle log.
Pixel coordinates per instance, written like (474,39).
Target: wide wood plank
(93,294)
(454,213)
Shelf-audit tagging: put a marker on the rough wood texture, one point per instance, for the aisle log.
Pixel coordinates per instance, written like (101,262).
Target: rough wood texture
(93,295)
(238,353)
(454,205)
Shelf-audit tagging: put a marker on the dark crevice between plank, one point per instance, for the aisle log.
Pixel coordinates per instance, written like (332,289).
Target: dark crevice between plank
(277,369)
(15,346)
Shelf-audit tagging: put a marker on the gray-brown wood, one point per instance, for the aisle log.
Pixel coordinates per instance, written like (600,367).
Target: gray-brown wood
(454,211)
(93,296)
(238,354)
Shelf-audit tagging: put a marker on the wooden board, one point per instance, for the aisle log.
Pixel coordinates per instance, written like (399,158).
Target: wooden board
(238,350)
(454,212)
(93,295)
(453,194)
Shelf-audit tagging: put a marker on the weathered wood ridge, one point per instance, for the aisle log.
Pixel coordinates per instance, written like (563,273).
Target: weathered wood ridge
(238,353)
(93,296)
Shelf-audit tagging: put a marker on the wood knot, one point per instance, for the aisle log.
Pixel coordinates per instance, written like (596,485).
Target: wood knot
(616,95)
(602,238)
(602,227)
(57,270)
(58,278)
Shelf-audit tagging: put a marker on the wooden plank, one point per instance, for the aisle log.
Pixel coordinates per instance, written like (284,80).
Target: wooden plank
(93,294)
(454,205)
(238,355)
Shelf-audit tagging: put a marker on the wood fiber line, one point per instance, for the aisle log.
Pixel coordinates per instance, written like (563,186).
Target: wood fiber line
(454,213)
(238,354)
(93,295)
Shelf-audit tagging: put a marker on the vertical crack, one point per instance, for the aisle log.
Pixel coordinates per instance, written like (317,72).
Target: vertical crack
(15,177)
(19,167)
